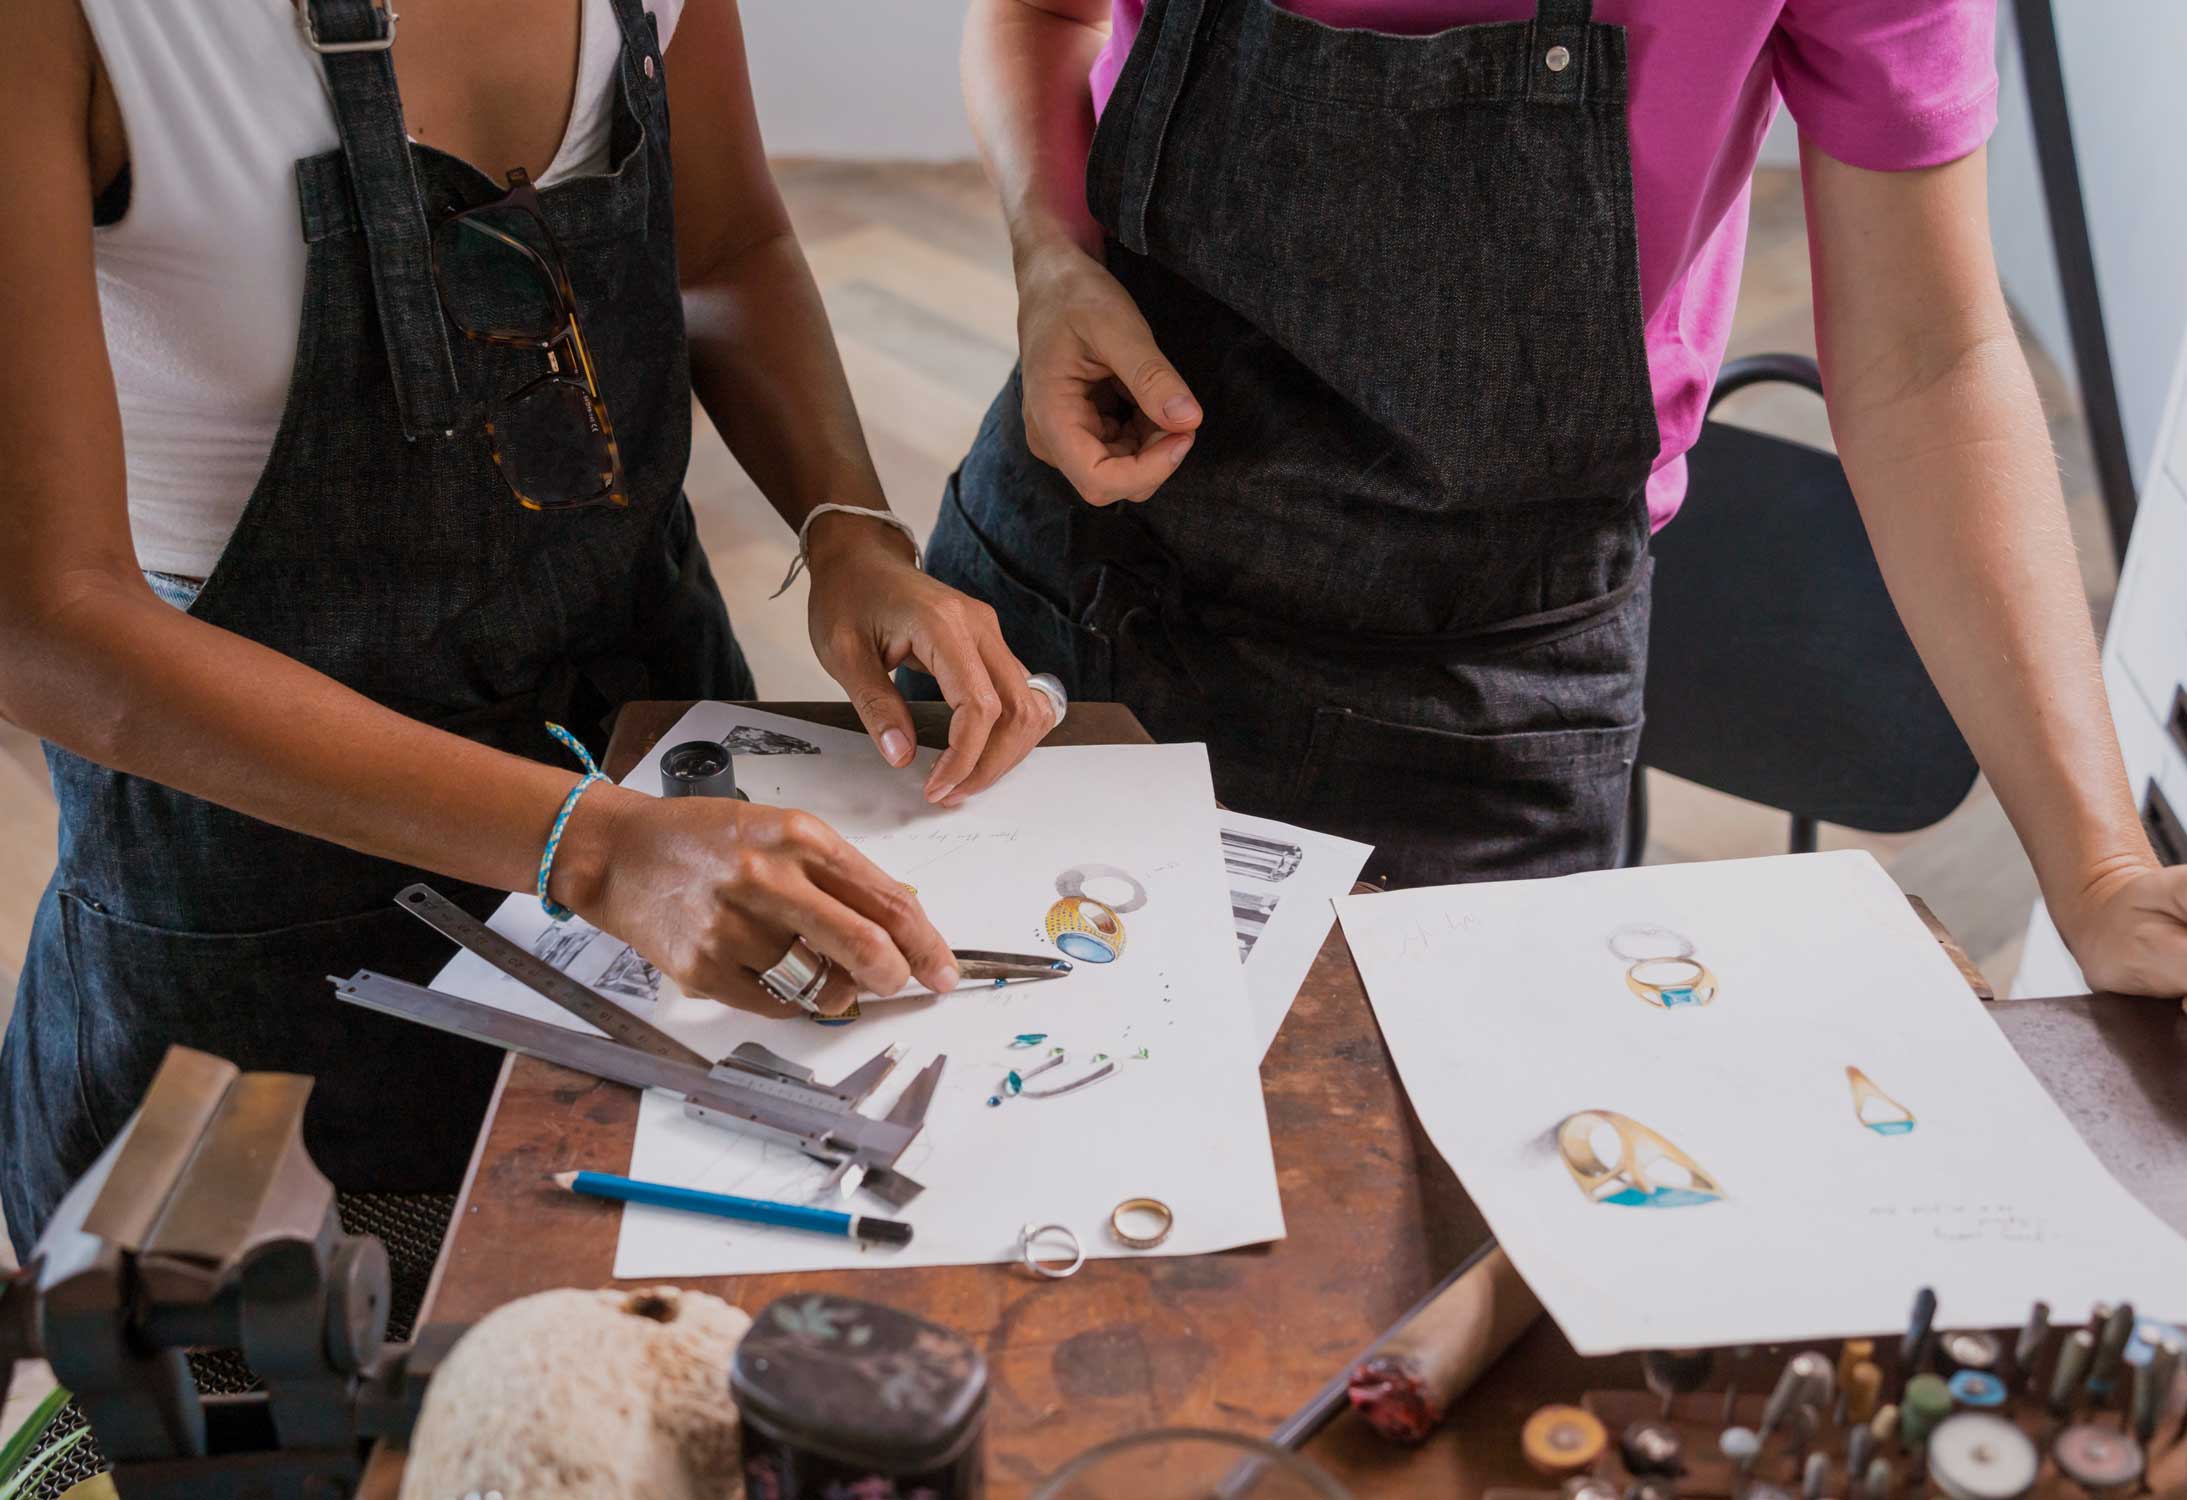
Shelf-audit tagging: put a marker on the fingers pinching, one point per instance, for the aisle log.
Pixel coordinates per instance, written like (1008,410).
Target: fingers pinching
(1028,714)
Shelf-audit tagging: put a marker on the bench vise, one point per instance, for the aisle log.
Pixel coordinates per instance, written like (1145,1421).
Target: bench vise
(205,1225)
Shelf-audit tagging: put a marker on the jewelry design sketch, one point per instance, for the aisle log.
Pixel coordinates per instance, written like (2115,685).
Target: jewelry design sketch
(1660,966)
(1013,1082)
(1876,1109)
(1616,1159)
(1085,927)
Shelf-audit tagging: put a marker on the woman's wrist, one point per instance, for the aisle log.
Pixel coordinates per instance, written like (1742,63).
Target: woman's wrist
(845,536)
(584,859)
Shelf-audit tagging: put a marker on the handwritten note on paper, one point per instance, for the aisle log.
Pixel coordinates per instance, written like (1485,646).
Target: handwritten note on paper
(1741,1103)
(1107,854)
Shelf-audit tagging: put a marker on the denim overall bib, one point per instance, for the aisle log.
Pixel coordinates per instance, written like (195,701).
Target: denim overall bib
(1399,584)
(382,548)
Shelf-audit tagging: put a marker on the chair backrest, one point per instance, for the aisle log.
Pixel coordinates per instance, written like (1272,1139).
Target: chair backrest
(1778,670)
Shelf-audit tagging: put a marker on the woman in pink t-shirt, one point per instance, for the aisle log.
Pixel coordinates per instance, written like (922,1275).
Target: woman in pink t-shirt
(1394,319)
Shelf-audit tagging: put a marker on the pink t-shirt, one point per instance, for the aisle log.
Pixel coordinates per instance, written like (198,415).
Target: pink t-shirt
(1889,85)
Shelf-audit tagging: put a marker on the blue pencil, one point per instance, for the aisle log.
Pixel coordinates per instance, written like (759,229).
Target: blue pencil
(750,1210)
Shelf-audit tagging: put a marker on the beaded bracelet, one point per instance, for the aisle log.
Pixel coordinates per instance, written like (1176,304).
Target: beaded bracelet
(553,908)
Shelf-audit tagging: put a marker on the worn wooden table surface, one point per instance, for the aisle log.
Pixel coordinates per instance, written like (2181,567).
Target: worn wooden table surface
(1236,1340)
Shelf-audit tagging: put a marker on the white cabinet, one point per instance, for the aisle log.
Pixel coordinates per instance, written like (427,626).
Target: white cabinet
(2145,673)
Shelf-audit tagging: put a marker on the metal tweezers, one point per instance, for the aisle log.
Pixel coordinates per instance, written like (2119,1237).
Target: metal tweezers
(1008,968)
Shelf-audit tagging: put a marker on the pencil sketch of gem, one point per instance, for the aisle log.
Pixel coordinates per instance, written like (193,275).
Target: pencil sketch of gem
(560,944)
(749,739)
(1086,927)
(1660,967)
(630,976)
(1249,912)
(1616,1159)
(1260,858)
(1876,1109)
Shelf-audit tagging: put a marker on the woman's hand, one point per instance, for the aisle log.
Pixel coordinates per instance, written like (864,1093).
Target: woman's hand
(713,891)
(872,610)
(1102,406)
(2128,931)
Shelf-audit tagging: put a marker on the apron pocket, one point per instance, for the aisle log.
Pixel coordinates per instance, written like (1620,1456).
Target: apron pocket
(395,1107)
(1044,636)
(1442,806)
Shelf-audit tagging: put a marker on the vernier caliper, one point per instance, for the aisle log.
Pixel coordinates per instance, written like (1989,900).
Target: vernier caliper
(752,1089)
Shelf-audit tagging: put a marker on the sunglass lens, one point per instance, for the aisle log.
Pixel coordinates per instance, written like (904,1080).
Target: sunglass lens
(552,448)
(493,273)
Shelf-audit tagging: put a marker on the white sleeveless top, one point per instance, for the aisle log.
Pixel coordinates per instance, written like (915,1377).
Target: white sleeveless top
(201,282)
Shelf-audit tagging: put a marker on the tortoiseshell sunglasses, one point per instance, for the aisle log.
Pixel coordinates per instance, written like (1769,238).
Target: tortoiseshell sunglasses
(502,282)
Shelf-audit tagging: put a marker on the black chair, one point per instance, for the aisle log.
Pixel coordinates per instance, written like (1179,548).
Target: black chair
(1778,670)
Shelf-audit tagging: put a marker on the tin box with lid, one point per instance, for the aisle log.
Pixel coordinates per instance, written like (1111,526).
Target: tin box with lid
(843,1397)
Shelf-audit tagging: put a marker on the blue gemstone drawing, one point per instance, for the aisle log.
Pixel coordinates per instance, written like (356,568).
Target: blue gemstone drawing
(1876,1109)
(1615,1159)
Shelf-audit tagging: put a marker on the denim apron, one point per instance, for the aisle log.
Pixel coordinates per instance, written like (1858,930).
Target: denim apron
(381,548)
(1399,584)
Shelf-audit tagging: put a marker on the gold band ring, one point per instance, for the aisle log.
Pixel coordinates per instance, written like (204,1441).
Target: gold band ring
(1142,1206)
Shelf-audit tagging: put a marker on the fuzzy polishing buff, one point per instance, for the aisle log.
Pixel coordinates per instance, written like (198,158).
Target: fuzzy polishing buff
(576,1395)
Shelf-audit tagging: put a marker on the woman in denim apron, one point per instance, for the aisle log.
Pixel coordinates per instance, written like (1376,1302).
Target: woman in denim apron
(356,695)
(1334,441)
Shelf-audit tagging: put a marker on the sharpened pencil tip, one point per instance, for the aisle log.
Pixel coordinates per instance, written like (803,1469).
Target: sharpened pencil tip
(563,1179)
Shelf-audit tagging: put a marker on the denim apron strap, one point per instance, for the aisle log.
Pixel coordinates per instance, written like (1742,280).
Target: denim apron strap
(1178,28)
(1557,66)
(383,176)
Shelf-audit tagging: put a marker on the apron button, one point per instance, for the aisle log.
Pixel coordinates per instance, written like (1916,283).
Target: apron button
(649,65)
(1558,59)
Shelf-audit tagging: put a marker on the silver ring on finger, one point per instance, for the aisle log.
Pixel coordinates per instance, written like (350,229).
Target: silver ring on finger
(1049,686)
(799,976)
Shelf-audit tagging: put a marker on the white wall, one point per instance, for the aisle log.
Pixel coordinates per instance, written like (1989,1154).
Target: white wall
(2129,107)
(858,78)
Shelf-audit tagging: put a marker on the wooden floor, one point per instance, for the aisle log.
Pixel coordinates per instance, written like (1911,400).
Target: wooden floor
(917,278)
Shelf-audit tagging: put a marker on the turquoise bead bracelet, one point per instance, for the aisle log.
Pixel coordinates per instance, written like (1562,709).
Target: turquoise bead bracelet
(592,774)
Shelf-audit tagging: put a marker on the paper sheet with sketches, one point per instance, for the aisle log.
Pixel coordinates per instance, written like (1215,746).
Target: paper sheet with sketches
(1741,1103)
(1180,1118)
(1282,880)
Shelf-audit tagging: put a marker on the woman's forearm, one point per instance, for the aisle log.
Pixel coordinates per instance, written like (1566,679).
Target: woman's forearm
(765,367)
(1025,87)
(1942,436)
(121,678)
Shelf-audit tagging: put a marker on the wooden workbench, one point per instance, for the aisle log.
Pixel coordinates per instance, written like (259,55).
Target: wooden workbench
(1236,1340)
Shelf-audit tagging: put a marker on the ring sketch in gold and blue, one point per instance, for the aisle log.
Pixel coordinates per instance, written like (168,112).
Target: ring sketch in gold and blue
(1660,967)
(1876,1109)
(1085,927)
(1616,1159)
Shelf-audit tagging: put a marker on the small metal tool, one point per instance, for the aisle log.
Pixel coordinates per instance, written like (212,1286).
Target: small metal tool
(1850,1355)
(1652,1448)
(752,1089)
(2159,1374)
(1860,1446)
(1862,1388)
(1740,1446)
(1671,1373)
(1009,968)
(2100,1460)
(2074,1357)
(1976,1456)
(1971,1349)
(1813,1475)
(2028,1350)
(1928,1402)
(2111,1339)
(1913,1346)
(1879,1480)
(1806,1378)
(1739,1357)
